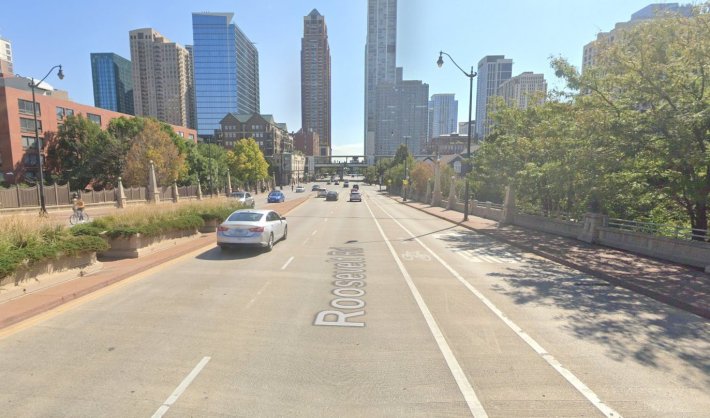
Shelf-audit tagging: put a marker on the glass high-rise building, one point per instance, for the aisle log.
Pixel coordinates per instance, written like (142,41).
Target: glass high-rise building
(380,55)
(315,81)
(444,113)
(113,82)
(226,71)
(493,70)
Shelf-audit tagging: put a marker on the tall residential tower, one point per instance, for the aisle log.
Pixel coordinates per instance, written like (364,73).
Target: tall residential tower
(380,54)
(443,115)
(493,70)
(226,71)
(315,81)
(162,78)
(5,57)
(113,82)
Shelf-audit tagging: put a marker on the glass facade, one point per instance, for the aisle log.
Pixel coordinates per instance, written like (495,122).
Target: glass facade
(226,71)
(493,70)
(113,82)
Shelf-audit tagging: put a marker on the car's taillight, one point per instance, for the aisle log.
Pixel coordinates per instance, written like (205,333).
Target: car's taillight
(257,229)
(222,228)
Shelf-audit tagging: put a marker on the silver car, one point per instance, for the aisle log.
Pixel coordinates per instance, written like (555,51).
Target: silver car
(249,227)
(245,198)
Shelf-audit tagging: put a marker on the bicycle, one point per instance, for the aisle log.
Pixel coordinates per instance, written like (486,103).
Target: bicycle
(76,218)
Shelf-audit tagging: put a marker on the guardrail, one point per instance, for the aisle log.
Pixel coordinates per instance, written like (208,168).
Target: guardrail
(662,230)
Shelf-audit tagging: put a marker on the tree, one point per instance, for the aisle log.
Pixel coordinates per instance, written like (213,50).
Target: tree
(649,90)
(153,143)
(247,163)
(82,154)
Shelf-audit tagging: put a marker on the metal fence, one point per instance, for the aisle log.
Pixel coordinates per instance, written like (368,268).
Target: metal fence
(663,230)
(563,216)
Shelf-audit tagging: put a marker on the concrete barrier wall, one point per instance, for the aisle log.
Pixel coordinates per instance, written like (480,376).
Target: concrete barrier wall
(693,253)
(486,212)
(553,226)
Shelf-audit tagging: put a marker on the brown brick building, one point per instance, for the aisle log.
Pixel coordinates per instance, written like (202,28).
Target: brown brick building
(17,135)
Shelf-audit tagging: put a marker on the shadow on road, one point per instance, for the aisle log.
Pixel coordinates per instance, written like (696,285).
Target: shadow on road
(217,254)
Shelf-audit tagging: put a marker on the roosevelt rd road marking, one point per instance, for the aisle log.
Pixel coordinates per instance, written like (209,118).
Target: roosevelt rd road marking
(549,358)
(474,405)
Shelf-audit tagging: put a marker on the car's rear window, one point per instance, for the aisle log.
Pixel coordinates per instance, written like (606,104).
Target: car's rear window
(240,194)
(245,217)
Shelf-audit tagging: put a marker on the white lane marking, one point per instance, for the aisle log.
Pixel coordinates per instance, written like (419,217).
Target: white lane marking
(549,358)
(314,232)
(306,240)
(326,220)
(287,263)
(256,296)
(181,388)
(474,405)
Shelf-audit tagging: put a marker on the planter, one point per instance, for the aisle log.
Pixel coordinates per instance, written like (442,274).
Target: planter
(61,268)
(139,245)
(209,226)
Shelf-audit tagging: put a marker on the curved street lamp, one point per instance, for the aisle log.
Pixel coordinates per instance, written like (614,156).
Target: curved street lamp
(470,75)
(34,84)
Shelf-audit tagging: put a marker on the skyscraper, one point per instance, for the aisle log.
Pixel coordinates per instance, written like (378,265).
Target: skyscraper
(162,78)
(113,82)
(380,55)
(402,109)
(5,57)
(444,115)
(226,70)
(520,90)
(652,11)
(315,80)
(492,71)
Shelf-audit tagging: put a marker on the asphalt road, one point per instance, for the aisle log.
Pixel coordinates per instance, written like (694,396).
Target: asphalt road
(368,309)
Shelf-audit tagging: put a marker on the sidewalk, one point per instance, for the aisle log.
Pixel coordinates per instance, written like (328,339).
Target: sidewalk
(20,308)
(674,284)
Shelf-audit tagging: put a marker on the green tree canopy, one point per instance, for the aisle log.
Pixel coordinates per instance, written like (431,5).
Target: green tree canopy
(246,162)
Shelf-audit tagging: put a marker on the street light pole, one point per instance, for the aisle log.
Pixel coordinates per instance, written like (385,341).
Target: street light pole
(38,141)
(470,76)
(406,157)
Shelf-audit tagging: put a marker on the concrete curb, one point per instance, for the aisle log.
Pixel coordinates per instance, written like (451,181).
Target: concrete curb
(661,297)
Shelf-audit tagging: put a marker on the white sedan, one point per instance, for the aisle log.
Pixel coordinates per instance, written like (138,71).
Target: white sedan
(249,227)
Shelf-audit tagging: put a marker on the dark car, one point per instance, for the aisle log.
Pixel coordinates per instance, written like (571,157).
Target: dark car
(275,197)
(331,195)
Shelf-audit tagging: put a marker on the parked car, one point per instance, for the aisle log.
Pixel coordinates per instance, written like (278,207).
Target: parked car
(300,189)
(322,192)
(331,195)
(245,198)
(355,195)
(276,196)
(249,227)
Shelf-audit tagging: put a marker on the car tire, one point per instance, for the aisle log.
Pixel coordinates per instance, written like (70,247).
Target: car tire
(270,244)
(285,233)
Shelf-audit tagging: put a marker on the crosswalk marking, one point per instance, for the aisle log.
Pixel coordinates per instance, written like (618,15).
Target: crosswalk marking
(471,256)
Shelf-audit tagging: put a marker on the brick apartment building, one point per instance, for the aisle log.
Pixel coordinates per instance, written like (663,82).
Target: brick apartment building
(17,135)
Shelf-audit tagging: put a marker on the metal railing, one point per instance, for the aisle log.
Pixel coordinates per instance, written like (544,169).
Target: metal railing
(563,216)
(663,230)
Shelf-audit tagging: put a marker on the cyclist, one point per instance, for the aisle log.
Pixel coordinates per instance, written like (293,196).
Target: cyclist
(78,206)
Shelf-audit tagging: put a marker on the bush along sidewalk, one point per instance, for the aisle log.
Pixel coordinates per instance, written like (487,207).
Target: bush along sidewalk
(26,241)
(138,230)
(24,244)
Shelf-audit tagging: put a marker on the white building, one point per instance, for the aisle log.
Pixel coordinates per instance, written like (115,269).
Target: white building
(522,89)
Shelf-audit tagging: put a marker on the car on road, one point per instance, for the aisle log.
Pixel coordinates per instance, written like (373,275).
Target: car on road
(356,187)
(276,196)
(322,192)
(251,227)
(300,189)
(245,198)
(331,195)
(315,188)
(336,182)
(355,196)
(346,185)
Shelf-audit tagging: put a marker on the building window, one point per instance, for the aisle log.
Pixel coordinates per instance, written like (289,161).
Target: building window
(191,136)
(94,118)
(182,134)
(30,160)
(25,106)
(28,125)
(28,142)
(68,112)
(60,113)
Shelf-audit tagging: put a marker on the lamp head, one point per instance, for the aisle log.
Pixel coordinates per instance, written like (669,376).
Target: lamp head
(440,61)
(60,73)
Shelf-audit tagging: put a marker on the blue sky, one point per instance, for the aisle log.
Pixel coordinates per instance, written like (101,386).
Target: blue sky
(45,33)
